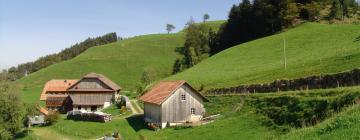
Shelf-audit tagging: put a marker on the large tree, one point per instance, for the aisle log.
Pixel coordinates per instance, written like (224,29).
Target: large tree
(196,43)
(12,112)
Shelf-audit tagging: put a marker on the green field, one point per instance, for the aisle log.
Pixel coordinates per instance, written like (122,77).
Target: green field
(311,49)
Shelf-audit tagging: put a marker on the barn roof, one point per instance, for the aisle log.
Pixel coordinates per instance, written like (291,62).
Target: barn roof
(159,93)
(90,99)
(103,79)
(56,86)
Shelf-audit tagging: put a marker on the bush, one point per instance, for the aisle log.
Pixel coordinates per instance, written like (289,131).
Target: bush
(52,117)
(121,102)
(300,111)
(123,109)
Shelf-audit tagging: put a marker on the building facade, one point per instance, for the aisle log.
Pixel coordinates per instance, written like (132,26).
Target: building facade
(91,93)
(172,103)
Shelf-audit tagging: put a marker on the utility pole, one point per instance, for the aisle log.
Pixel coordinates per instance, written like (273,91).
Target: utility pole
(284,43)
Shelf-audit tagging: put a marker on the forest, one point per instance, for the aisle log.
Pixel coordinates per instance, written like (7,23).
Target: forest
(24,69)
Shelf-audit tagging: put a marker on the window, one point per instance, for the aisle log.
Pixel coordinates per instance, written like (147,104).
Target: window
(183,96)
(192,110)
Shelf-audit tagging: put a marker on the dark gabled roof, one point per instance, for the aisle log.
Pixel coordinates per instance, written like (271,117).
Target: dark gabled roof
(90,99)
(163,90)
(102,78)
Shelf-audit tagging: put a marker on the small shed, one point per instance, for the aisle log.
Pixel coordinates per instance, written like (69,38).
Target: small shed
(173,103)
(38,119)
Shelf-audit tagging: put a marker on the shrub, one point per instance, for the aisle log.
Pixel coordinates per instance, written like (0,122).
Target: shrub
(52,117)
(299,111)
(123,109)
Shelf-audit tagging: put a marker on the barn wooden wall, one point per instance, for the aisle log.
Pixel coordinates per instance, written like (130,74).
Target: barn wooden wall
(176,110)
(152,112)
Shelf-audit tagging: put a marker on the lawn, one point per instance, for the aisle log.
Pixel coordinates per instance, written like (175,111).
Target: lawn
(311,49)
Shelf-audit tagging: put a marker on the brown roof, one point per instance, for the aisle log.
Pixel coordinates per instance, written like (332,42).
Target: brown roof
(159,93)
(43,111)
(56,86)
(103,79)
(55,100)
(90,99)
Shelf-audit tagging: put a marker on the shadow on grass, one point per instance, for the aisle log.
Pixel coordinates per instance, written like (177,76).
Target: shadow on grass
(137,122)
(357,39)
(23,134)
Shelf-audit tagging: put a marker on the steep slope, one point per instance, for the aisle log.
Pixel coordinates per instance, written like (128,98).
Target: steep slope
(122,61)
(345,125)
(311,49)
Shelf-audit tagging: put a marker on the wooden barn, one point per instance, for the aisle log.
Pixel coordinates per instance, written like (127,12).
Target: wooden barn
(172,103)
(91,93)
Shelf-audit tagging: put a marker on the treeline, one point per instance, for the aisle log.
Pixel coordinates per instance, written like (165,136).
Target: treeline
(248,21)
(252,20)
(21,70)
(196,47)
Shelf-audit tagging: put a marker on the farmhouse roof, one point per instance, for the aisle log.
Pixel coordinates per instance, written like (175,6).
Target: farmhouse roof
(159,93)
(56,86)
(90,99)
(103,79)
(43,111)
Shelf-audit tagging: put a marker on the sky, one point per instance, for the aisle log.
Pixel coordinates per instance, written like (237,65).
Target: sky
(30,29)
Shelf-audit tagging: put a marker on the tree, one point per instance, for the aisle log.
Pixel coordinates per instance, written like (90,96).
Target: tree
(196,46)
(291,14)
(169,28)
(206,17)
(145,78)
(177,66)
(12,112)
(334,10)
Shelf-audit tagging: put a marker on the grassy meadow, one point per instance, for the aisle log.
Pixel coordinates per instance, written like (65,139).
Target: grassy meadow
(311,49)
(123,62)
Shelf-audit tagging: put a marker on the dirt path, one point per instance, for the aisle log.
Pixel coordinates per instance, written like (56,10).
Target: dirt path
(135,108)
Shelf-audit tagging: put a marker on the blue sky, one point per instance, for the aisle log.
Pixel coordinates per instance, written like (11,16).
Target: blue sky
(33,28)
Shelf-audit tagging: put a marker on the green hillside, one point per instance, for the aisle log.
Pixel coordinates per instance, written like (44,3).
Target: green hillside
(311,49)
(122,61)
(345,125)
